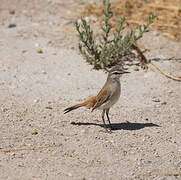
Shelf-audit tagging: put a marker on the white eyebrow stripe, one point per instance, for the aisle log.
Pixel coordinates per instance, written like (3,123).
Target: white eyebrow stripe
(116,72)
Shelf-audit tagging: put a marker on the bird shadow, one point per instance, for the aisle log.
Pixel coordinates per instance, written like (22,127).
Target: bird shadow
(118,126)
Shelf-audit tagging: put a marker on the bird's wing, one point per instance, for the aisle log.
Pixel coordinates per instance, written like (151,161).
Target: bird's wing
(102,97)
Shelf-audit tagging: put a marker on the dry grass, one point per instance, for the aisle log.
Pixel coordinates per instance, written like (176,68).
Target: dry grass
(137,11)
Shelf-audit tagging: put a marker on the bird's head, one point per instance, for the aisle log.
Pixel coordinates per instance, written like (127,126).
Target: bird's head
(116,72)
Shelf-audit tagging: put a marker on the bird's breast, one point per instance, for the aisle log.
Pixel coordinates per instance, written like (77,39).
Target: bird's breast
(115,91)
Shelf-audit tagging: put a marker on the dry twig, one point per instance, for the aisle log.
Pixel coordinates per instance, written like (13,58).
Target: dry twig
(28,148)
(166,74)
(144,64)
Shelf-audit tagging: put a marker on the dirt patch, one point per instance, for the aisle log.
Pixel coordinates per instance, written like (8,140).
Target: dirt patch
(168,13)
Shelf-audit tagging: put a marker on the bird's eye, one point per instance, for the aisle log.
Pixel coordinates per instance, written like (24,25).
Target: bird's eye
(116,73)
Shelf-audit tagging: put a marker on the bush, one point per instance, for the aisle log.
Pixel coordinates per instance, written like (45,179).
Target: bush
(108,51)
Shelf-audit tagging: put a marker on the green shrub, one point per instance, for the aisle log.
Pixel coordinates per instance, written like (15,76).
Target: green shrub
(108,51)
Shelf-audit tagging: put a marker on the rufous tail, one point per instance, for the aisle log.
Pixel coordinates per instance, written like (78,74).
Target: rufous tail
(73,107)
(89,103)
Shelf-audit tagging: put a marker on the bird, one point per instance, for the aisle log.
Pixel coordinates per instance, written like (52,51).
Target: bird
(106,97)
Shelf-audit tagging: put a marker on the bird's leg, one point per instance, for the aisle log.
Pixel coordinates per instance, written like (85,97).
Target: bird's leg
(103,112)
(107,114)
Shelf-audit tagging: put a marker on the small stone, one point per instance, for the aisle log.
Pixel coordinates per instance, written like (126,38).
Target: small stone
(69,174)
(68,74)
(34,132)
(36,100)
(49,42)
(13,154)
(23,51)
(135,68)
(164,103)
(11,25)
(40,51)
(11,11)
(112,141)
(37,45)
(5,109)
(156,100)
(157,105)
(48,107)
(44,72)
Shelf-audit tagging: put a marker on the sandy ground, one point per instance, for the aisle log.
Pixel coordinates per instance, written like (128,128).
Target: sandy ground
(36,87)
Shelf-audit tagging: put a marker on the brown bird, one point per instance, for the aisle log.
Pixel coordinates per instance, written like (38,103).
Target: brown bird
(106,98)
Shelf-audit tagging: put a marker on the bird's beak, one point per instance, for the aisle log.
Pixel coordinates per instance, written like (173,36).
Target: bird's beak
(124,72)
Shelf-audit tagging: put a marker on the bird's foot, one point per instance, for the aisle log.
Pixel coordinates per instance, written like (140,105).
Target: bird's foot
(106,130)
(111,127)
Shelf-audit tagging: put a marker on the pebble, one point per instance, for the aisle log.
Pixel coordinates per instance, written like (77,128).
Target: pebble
(34,132)
(112,141)
(156,100)
(164,103)
(23,51)
(11,25)
(157,106)
(44,72)
(48,107)
(5,109)
(37,44)
(11,11)
(40,51)
(36,100)
(69,174)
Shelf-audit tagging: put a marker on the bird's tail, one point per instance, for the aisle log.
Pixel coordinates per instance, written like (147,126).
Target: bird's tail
(89,103)
(73,107)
